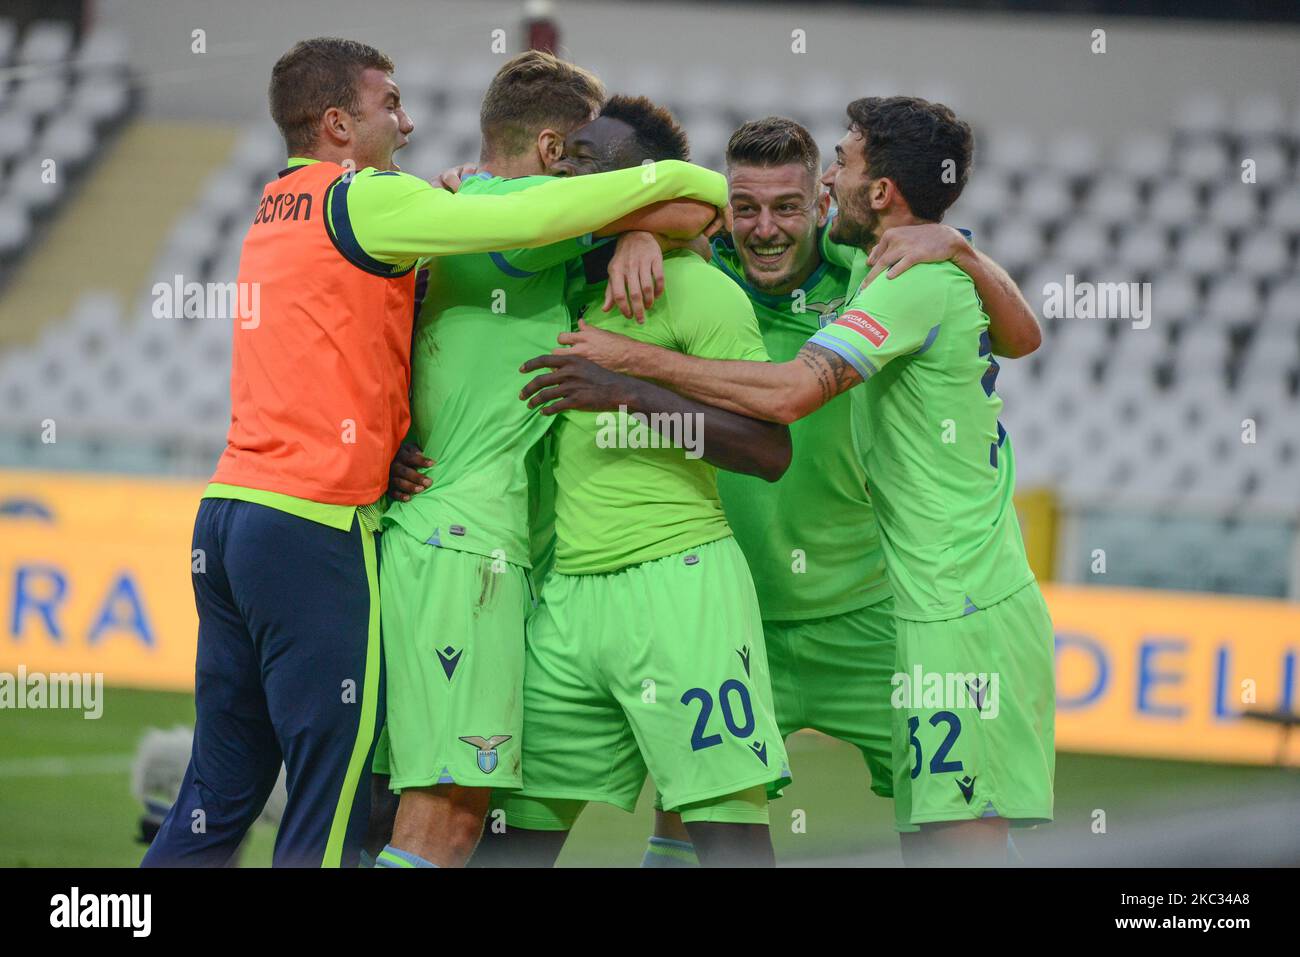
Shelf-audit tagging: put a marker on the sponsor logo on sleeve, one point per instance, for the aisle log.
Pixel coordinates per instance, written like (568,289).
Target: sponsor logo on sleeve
(864,325)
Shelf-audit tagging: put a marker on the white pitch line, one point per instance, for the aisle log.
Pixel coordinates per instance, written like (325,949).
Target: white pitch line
(61,767)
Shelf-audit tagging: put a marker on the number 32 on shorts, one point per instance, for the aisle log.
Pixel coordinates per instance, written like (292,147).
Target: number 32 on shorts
(939,763)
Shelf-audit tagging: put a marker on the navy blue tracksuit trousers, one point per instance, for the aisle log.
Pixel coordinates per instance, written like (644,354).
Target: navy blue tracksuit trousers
(289,669)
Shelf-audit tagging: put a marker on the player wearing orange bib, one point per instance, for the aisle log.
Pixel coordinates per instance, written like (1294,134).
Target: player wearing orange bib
(286,570)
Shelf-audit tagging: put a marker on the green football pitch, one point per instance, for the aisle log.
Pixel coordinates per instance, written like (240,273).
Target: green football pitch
(65,798)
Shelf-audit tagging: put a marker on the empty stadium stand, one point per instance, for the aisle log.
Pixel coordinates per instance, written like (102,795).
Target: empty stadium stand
(1134,423)
(59,101)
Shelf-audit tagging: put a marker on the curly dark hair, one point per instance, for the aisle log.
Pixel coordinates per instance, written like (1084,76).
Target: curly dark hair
(657,134)
(920,145)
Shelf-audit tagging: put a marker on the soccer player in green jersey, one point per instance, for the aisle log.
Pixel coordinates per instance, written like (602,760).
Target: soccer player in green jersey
(318,403)
(646,652)
(978,754)
(827,609)
(455,579)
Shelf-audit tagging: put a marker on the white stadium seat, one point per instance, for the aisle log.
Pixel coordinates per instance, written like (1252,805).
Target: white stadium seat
(46,41)
(1269,158)
(1206,163)
(70,141)
(100,98)
(1045,198)
(1284,212)
(1283,304)
(1114,200)
(17,133)
(28,186)
(104,51)
(1263,254)
(986,195)
(1234,206)
(1234,300)
(1017,243)
(1145,156)
(1173,203)
(259,151)
(8,40)
(1083,244)
(1202,251)
(15,228)
(1143,249)
(1202,113)
(41,94)
(1260,115)
(1014,151)
(1075,154)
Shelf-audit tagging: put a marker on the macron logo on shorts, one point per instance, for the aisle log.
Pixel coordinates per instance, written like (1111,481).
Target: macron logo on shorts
(864,325)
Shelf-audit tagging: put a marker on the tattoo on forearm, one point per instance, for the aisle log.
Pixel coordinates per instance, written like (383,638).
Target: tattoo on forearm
(834,374)
(819,369)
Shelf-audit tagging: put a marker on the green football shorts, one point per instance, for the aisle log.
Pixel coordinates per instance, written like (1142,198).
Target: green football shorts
(658,666)
(974,721)
(453,635)
(834,675)
(382,762)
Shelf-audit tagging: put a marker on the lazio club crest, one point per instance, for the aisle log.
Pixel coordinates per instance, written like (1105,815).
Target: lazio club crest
(487,750)
(826,312)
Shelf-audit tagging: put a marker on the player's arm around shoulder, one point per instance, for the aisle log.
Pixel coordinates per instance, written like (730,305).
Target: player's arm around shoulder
(775,392)
(699,318)
(888,319)
(523,262)
(1013,326)
(713,319)
(396,218)
(710,321)
(365,217)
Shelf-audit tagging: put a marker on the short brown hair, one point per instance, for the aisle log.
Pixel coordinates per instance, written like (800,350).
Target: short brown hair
(313,76)
(774,141)
(532,92)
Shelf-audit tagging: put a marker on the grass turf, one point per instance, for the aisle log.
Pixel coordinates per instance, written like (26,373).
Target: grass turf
(65,796)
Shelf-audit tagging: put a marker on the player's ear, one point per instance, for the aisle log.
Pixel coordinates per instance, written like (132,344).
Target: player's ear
(823,207)
(336,124)
(550,147)
(882,193)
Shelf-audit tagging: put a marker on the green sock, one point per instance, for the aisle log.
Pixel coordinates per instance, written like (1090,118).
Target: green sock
(665,852)
(392,857)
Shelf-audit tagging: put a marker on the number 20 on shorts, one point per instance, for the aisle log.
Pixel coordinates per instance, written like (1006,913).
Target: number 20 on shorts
(732,691)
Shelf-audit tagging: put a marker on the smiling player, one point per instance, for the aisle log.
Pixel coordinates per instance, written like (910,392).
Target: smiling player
(647,650)
(941,473)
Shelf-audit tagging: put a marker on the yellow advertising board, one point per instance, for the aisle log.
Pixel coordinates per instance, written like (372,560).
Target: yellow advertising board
(1168,674)
(95,577)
